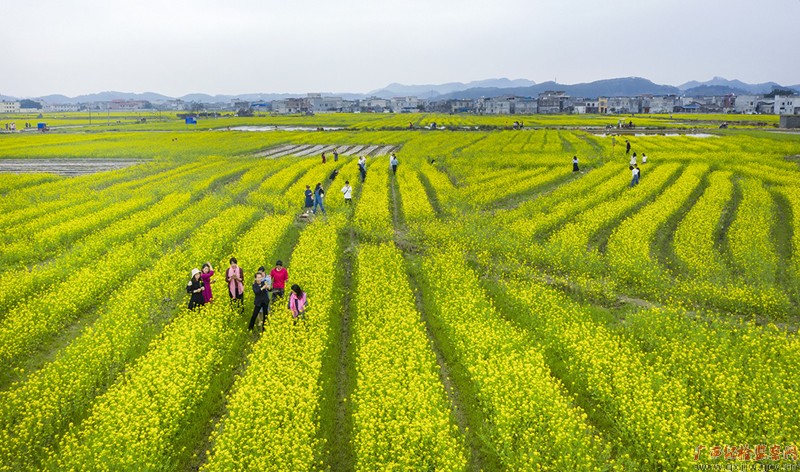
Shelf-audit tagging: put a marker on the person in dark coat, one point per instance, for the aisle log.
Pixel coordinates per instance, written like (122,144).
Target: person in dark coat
(261,301)
(195,288)
(362,168)
(309,203)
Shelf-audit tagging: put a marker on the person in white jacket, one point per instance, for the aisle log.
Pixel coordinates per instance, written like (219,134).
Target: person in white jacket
(347,190)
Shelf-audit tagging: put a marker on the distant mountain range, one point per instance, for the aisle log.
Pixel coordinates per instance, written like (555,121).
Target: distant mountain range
(619,87)
(433,91)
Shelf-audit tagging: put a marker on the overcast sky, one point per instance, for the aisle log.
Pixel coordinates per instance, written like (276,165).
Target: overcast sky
(176,47)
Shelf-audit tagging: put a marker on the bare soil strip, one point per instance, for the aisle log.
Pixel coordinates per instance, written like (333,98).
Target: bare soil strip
(66,167)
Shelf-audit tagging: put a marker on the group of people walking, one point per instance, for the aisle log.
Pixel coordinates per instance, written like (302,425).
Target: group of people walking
(314,199)
(335,156)
(636,172)
(267,289)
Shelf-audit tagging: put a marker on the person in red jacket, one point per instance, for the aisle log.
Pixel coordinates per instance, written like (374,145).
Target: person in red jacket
(279,277)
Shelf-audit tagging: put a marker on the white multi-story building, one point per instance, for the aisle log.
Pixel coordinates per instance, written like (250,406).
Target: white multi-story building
(374,104)
(289,106)
(746,104)
(786,105)
(499,106)
(60,107)
(9,107)
(526,106)
(405,104)
(319,104)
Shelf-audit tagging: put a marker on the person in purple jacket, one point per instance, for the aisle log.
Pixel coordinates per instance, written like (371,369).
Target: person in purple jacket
(206,272)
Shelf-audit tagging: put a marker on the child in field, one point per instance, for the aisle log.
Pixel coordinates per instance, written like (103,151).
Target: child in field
(195,289)
(297,303)
(261,301)
(205,275)
(575,164)
(633,159)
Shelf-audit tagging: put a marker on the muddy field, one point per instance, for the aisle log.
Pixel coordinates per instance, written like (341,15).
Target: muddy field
(67,167)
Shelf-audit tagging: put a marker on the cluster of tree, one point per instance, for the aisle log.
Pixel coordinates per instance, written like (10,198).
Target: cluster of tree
(780,91)
(26,103)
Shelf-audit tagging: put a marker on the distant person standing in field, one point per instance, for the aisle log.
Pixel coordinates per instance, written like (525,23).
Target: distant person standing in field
(347,190)
(362,168)
(297,303)
(261,301)
(319,194)
(235,279)
(644,158)
(205,275)
(324,159)
(633,159)
(335,155)
(195,289)
(627,147)
(279,277)
(309,202)
(393,163)
(575,164)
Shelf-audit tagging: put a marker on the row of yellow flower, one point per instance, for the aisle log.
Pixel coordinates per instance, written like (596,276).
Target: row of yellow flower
(695,236)
(735,372)
(533,219)
(401,417)
(518,182)
(30,204)
(35,411)
(84,211)
(529,421)
(18,182)
(43,314)
(750,235)
(372,219)
(792,196)
(655,427)
(628,250)
(153,417)
(272,418)
(574,237)
(602,182)
(142,421)
(416,205)
(17,284)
